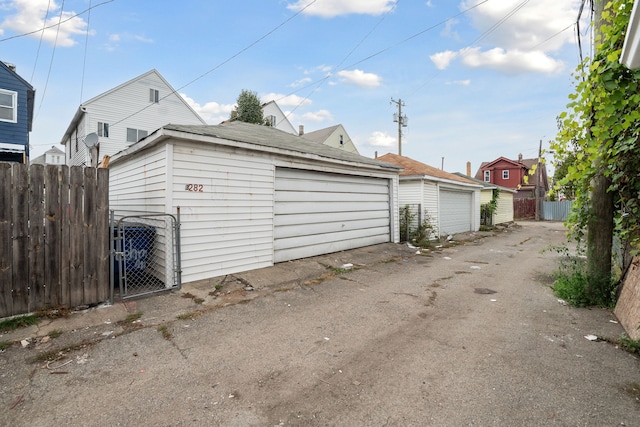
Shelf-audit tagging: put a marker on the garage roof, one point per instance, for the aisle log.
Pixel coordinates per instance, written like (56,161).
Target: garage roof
(415,168)
(251,136)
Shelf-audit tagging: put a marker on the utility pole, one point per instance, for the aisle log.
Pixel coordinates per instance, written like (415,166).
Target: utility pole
(538,183)
(402,121)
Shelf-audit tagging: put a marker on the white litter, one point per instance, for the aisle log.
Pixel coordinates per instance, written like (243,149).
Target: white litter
(449,238)
(474,267)
(417,252)
(613,321)
(107,333)
(591,337)
(347,266)
(493,300)
(25,342)
(326,338)
(447,257)
(563,302)
(410,246)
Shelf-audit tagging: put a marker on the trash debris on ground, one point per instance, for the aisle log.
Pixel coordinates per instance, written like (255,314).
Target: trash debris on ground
(484,291)
(25,342)
(248,288)
(474,267)
(613,321)
(493,300)
(591,337)
(410,246)
(347,266)
(561,301)
(447,257)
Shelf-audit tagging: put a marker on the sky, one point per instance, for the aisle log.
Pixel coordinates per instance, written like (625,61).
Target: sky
(477,79)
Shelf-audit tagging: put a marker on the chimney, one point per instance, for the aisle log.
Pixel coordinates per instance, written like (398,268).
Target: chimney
(301,130)
(11,66)
(468,168)
(520,158)
(376,155)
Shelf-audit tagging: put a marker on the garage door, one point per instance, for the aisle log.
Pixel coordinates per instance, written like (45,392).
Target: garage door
(318,213)
(455,211)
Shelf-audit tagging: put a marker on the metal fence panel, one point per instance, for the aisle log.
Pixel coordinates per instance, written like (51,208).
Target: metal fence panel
(556,211)
(145,255)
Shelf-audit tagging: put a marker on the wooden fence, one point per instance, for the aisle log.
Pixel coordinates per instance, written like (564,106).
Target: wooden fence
(54,237)
(524,208)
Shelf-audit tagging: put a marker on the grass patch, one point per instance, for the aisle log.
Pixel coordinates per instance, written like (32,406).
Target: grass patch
(571,286)
(198,300)
(132,317)
(189,315)
(14,323)
(59,353)
(164,331)
(5,345)
(55,333)
(218,287)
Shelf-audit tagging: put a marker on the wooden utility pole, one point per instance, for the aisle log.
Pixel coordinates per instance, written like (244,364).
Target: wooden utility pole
(538,183)
(401,120)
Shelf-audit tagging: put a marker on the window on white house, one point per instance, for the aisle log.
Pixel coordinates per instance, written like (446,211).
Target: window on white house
(505,174)
(135,135)
(487,176)
(272,121)
(103,129)
(154,95)
(341,140)
(8,106)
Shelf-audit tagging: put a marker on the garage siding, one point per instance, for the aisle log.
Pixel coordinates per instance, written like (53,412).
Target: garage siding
(318,213)
(455,211)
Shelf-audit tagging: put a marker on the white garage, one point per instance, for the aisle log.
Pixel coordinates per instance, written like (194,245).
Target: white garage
(319,212)
(451,202)
(456,211)
(250,196)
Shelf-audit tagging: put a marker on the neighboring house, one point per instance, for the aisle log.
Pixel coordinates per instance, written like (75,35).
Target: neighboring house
(123,115)
(53,156)
(276,118)
(334,136)
(16,115)
(251,196)
(451,202)
(511,174)
(504,210)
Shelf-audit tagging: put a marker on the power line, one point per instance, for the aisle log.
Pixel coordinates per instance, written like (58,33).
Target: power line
(56,25)
(46,15)
(84,59)
(46,83)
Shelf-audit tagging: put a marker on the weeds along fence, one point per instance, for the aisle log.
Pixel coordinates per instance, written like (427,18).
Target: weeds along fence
(54,237)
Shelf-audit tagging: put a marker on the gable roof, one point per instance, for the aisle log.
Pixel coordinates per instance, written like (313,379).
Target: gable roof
(82,108)
(487,185)
(253,137)
(41,159)
(415,168)
(524,163)
(321,135)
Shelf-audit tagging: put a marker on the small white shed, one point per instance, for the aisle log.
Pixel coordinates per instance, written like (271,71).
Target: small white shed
(452,202)
(504,211)
(251,196)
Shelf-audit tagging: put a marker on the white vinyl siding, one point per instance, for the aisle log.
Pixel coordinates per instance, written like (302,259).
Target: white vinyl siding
(228,227)
(318,213)
(456,211)
(504,213)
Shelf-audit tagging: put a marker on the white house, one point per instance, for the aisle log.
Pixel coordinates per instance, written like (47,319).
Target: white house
(53,156)
(452,202)
(333,136)
(276,118)
(251,196)
(123,115)
(504,207)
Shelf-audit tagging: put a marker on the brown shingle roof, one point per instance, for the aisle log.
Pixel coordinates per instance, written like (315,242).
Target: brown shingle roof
(413,167)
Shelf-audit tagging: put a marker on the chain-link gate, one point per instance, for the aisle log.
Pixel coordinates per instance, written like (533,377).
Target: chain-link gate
(145,254)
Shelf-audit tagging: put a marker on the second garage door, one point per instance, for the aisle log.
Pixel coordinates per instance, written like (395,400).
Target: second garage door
(318,213)
(455,212)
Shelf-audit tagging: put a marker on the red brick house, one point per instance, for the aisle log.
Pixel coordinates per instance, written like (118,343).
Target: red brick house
(511,174)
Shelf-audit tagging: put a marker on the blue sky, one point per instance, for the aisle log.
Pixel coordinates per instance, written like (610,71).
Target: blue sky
(479,78)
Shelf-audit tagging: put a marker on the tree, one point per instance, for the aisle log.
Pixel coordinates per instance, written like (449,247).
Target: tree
(248,108)
(602,128)
(567,189)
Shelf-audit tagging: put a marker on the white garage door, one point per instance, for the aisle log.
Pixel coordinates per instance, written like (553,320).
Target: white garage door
(455,211)
(318,213)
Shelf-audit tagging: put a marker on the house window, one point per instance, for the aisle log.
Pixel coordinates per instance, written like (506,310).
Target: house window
(135,135)
(487,176)
(505,174)
(154,95)
(272,121)
(341,140)
(103,129)
(8,106)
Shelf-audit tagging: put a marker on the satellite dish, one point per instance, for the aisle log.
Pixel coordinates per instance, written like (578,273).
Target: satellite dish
(91,140)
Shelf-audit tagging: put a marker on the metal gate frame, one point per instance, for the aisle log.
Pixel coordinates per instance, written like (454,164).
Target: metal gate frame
(145,254)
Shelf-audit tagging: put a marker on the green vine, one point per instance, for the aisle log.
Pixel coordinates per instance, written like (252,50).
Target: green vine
(601,128)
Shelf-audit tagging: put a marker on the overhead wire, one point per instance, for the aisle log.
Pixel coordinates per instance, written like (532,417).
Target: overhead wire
(84,59)
(44,23)
(229,59)
(55,43)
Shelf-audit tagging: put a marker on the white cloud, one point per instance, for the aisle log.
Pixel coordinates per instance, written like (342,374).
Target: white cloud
(460,82)
(360,78)
(116,39)
(30,16)
(211,112)
(381,139)
(317,116)
(285,100)
(332,8)
(521,37)
(512,61)
(443,59)
(301,82)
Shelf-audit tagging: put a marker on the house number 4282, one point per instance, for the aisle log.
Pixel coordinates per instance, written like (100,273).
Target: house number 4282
(199,188)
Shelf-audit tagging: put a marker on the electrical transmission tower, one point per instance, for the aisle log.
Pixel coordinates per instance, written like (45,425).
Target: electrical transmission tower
(402,121)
